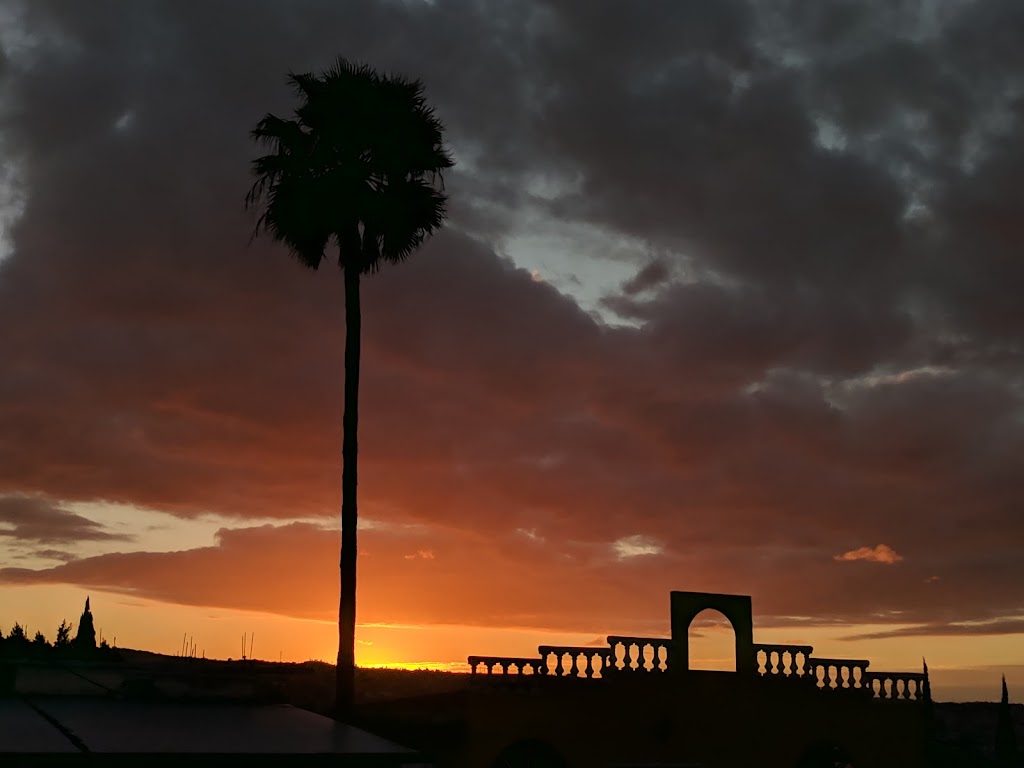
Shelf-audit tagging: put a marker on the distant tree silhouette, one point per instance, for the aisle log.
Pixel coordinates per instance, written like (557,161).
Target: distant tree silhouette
(85,639)
(40,640)
(63,639)
(358,166)
(17,634)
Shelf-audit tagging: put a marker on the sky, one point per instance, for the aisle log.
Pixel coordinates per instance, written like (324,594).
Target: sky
(729,301)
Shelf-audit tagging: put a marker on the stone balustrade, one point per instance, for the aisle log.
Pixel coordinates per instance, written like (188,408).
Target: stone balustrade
(627,655)
(507,665)
(906,686)
(638,654)
(838,674)
(790,661)
(573,661)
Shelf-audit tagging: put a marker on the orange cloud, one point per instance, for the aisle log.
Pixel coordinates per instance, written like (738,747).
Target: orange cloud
(880,554)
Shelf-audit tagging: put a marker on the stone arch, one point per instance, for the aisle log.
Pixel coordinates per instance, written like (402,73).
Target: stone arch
(736,608)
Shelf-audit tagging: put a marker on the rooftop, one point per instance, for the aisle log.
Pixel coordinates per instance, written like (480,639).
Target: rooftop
(53,725)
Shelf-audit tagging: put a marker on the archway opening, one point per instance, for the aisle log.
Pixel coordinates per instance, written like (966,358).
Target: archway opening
(712,642)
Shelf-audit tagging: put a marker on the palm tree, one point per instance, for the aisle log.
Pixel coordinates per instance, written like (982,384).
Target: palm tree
(359,165)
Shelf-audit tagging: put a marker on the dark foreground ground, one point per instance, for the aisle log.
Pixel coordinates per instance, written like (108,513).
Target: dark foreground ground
(385,697)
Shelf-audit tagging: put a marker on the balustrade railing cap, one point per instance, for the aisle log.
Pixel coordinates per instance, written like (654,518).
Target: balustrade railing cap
(571,649)
(908,675)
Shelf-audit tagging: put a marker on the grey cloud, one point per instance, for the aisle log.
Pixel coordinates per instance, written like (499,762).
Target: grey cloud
(36,519)
(998,627)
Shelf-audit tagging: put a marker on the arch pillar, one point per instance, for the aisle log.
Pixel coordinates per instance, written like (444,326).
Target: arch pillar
(736,608)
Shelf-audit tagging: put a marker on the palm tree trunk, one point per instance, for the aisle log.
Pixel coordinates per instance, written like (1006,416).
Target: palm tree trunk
(345,672)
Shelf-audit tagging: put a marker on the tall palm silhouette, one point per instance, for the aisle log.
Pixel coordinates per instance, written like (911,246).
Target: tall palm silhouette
(359,166)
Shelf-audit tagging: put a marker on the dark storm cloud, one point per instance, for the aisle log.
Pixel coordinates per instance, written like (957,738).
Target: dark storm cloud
(813,372)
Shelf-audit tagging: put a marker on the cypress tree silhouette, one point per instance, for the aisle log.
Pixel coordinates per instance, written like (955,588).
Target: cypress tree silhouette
(358,167)
(86,637)
(1006,741)
(63,635)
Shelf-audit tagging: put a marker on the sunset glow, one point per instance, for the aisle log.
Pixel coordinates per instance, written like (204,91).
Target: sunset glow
(743,321)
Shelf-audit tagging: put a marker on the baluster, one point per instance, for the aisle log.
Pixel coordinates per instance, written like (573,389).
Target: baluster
(576,665)
(473,664)
(762,664)
(847,674)
(650,660)
(901,688)
(787,663)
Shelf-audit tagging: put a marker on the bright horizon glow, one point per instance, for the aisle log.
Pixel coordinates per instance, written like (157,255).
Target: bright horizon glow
(962,668)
